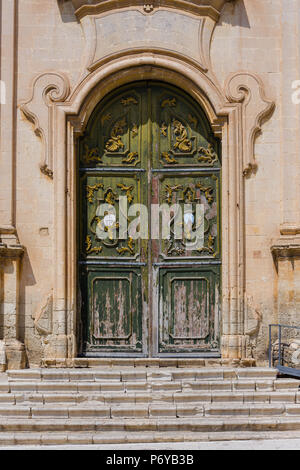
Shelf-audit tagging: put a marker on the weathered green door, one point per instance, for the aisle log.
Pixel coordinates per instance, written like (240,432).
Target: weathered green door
(143,293)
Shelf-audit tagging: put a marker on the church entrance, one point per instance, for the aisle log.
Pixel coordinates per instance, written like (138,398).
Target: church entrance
(149,232)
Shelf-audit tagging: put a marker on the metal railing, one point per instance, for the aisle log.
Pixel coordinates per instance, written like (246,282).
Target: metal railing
(278,362)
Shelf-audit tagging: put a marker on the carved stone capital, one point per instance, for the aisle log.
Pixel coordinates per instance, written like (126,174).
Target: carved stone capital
(47,89)
(248,90)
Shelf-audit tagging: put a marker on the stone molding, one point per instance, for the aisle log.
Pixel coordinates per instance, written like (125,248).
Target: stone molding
(211,8)
(289,229)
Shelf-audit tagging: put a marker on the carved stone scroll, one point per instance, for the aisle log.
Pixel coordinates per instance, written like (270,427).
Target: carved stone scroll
(47,89)
(248,89)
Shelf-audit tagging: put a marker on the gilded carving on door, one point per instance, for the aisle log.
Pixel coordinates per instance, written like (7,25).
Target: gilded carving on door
(149,144)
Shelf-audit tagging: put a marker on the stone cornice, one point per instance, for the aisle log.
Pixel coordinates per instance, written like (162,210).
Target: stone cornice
(285,248)
(11,251)
(211,8)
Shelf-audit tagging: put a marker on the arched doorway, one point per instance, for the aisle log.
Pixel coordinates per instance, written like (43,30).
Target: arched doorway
(144,293)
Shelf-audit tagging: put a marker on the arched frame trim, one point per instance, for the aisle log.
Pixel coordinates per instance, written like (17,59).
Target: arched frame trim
(235,116)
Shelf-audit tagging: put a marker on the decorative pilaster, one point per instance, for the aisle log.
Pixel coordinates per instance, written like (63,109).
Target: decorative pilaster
(286,255)
(290,225)
(12,351)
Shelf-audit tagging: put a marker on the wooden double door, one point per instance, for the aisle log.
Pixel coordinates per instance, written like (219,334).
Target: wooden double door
(149,146)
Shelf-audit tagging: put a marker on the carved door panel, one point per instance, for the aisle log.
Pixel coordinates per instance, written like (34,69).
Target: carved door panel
(113,269)
(153,294)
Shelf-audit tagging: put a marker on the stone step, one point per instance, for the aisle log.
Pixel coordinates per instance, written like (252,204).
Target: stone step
(146,362)
(92,438)
(150,411)
(144,404)
(141,374)
(188,385)
(150,425)
(155,397)
(206,387)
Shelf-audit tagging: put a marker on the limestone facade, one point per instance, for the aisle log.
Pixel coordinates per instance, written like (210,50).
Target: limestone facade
(239,59)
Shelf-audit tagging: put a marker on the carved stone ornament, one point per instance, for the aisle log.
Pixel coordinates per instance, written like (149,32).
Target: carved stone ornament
(43,318)
(248,89)
(47,89)
(148,7)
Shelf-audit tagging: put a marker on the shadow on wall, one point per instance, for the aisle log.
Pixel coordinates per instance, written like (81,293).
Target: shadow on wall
(67,11)
(27,279)
(235,14)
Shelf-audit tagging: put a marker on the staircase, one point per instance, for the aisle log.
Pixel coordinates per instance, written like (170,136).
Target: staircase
(123,404)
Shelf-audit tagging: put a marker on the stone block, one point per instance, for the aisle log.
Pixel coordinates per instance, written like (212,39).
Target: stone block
(148,362)
(218,397)
(89,387)
(159,374)
(22,387)
(56,387)
(287,384)
(136,386)
(129,412)
(293,410)
(184,411)
(192,398)
(28,398)
(7,398)
(267,410)
(81,375)
(54,439)
(227,409)
(111,387)
(267,385)
(87,412)
(248,385)
(59,398)
(107,375)
(283,397)
(50,412)
(86,439)
(130,376)
(14,412)
(166,386)
(159,411)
